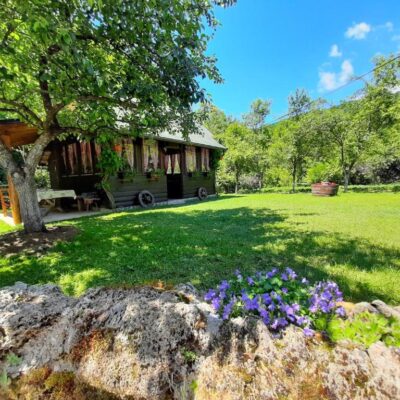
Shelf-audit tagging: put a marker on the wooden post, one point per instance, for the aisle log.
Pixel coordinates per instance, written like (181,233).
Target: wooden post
(3,201)
(14,202)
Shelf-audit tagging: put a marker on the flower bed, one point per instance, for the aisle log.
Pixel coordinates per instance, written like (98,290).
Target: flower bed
(279,299)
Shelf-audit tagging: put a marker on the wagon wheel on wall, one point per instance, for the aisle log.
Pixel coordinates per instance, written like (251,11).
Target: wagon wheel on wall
(146,199)
(202,193)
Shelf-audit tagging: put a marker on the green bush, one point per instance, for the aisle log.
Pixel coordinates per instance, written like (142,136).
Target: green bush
(365,328)
(287,189)
(394,187)
(42,178)
(319,173)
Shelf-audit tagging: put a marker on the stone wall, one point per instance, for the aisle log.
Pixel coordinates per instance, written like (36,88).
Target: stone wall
(145,343)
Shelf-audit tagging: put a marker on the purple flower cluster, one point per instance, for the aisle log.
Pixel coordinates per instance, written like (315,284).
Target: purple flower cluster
(324,298)
(280,298)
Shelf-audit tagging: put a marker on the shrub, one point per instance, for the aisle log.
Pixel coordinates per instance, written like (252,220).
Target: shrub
(365,328)
(42,178)
(321,172)
(278,298)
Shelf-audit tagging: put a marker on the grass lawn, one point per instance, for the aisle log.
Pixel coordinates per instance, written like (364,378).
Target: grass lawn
(353,238)
(5,227)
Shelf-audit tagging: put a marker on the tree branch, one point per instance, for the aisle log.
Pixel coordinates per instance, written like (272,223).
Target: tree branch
(34,155)
(24,110)
(6,159)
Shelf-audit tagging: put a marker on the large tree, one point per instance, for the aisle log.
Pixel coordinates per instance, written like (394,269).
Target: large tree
(255,120)
(298,133)
(99,67)
(239,159)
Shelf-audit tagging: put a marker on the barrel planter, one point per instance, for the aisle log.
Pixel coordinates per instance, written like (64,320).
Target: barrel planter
(324,189)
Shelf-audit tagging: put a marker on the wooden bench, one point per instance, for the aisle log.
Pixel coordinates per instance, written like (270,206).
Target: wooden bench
(88,200)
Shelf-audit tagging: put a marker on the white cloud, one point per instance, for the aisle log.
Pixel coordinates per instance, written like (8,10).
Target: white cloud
(335,52)
(389,26)
(358,31)
(332,80)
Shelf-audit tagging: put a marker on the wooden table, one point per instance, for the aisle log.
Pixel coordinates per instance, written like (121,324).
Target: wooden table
(48,196)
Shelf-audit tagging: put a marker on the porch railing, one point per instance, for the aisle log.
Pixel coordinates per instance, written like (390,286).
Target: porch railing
(4,199)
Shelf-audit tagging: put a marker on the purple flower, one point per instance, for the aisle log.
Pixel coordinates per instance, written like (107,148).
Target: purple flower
(210,295)
(238,275)
(340,311)
(272,273)
(291,273)
(216,303)
(304,281)
(308,332)
(288,310)
(302,321)
(266,298)
(284,290)
(250,304)
(284,276)
(279,323)
(278,297)
(264,315)
(324,297)
(250,281)
(296,307)
(224,285)
(228,309)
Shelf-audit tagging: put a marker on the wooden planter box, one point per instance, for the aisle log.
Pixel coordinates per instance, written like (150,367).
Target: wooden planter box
(324,189)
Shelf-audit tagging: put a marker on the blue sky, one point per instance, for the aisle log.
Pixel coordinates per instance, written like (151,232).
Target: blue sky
(268,48)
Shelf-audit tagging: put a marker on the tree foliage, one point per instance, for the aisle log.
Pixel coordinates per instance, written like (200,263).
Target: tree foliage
(100,68)
(357,141)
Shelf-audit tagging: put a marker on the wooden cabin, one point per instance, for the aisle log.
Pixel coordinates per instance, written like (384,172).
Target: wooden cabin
(166,165)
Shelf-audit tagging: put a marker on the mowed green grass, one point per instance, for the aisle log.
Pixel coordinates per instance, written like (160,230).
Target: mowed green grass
(5,228)
(353,239)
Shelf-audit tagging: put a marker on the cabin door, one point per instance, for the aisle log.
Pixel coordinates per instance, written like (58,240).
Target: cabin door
(174,186)
(174,175)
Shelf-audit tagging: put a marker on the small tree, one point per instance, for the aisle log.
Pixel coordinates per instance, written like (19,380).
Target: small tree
(239,157)
(298,133)
(255,120)
(349,130)
(94,68)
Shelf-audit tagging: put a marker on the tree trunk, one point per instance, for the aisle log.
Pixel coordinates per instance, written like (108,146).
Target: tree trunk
(346,178)
(294,173)
(236,182)
(30,211)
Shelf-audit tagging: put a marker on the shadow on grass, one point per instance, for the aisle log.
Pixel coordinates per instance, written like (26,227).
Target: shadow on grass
(204,247)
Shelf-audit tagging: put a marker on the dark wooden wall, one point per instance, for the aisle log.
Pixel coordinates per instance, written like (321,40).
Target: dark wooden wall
(191,184)
(125,190)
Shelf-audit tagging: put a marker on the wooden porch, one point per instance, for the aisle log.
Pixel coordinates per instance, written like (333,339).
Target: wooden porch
(10,211)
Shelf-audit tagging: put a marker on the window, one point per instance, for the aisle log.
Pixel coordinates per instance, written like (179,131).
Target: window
(205,159)
(79,158)
(128,151)
(190,158)
(150,155)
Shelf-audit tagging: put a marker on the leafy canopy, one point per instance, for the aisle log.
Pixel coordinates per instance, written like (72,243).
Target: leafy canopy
(89,66)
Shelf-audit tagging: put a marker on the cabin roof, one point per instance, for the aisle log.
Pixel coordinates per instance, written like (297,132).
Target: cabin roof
(204,138)
(15,133)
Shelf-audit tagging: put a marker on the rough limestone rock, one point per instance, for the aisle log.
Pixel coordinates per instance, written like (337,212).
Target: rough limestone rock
(146,343)
(384,309)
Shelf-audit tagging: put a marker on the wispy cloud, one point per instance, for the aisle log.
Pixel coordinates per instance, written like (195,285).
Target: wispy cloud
(358,31)
(389,26)
(332,80)
(335,52)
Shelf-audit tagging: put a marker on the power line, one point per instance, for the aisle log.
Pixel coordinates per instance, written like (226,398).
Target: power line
(351,81)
